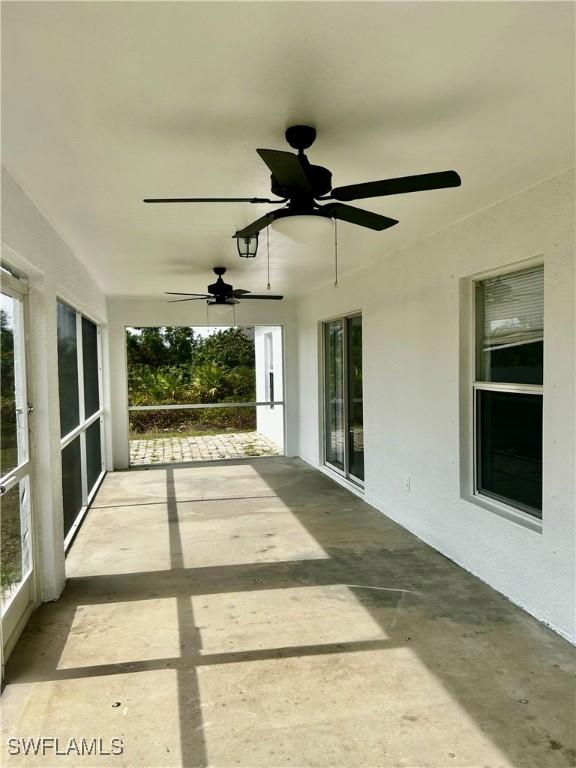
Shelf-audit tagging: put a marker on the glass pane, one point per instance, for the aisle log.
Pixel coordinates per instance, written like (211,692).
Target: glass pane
(510,328)
(67,370)
(334,392)
(510,448)
(71,483)
(16,541)
(517,364)
(355,409)
(183,365)
(12,390)
(205,434)
(90,365)
(93,454)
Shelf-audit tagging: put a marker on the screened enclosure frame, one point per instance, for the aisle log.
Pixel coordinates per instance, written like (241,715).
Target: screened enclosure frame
(80,431)
(20,603)
(198,406)
(344,472)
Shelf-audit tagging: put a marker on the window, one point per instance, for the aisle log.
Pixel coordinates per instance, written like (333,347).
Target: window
(508,390)
(80,413)
(343,400)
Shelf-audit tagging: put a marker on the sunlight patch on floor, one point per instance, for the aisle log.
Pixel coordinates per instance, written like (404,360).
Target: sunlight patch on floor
(282,618)
(371,708)
(113,633)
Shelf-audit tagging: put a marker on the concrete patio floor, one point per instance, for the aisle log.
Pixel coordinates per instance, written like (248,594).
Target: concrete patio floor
(259,614)
(228,445)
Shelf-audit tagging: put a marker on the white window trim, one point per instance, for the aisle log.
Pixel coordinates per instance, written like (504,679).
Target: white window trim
(468,388)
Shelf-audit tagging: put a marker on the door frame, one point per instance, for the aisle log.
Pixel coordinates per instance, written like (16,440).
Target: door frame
(25,600)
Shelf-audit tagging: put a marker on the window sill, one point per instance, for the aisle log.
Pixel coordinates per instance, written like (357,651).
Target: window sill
(503,510)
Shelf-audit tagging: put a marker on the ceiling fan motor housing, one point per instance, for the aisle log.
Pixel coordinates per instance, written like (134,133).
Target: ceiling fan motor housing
(220,289)
(300,136)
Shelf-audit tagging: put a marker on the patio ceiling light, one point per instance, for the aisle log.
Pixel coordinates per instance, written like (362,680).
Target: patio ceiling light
(303,228)
(247,246)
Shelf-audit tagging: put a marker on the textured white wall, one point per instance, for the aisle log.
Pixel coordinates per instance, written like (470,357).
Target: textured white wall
(270,421)
(412,317)
(127,312)
(31,244)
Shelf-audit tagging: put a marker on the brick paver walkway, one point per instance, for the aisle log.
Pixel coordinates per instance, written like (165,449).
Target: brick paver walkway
(230,445)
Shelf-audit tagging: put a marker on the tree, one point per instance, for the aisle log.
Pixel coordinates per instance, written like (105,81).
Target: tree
(6,354)
(181,343)
(8,428)
(229,348)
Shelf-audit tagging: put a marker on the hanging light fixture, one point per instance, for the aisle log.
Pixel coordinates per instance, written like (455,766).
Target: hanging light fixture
(302,228)
(247,246)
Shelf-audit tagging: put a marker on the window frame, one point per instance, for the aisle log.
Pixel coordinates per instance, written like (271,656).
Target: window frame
(21,603)
(84,423)
(506,508)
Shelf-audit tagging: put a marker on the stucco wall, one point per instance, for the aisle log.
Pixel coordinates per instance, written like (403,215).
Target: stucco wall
(158,312)
(32,245)
(414,319)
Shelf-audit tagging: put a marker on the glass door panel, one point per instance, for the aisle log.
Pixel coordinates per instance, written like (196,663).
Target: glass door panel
(334,393)
(355,402)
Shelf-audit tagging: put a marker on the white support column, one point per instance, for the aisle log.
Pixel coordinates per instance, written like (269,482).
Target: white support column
(46,453)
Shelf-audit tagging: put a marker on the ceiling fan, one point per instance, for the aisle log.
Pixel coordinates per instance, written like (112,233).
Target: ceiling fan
(221,293)
(299,186)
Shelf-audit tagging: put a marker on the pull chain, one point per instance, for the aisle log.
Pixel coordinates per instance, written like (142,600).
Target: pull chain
(335,253)
(268,254)
(234,314)
(207,315)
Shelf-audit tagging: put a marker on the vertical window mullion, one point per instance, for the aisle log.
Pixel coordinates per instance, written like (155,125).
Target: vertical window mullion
(82,408)
(345,396)
(101,399)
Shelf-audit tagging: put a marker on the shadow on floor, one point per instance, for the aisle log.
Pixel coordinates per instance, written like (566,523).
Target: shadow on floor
(508,673)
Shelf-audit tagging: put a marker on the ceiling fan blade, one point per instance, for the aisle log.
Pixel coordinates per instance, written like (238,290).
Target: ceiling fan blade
(181,293)
(399,186)
(211,200)
(357,216)
(193,298)
(286,169)
(263,296)
(261,223)
(239,292)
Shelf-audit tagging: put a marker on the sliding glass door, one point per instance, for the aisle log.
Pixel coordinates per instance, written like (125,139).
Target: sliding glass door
(343,402)
(17,592)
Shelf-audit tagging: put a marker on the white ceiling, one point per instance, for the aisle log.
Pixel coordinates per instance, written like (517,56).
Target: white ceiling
(105,103)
